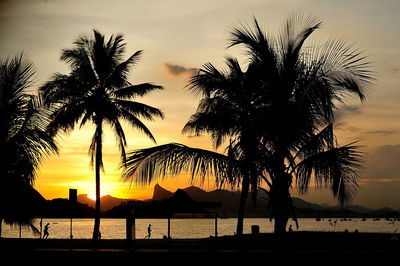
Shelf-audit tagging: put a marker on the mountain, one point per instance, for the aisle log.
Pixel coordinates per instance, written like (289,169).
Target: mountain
(160,193)
(163,198)
(230,203)
(83,198)
(195,193)
(107,202)
(179,204)
(359,209)
(229,200)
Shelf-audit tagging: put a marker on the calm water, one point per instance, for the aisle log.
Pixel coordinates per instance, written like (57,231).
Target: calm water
(193,228)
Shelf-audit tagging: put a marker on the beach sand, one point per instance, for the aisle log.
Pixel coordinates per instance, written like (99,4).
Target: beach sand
(291,247)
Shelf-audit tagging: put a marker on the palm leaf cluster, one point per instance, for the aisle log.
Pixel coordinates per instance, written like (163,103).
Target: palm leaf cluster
(97,90)
(173,159)
(24,141)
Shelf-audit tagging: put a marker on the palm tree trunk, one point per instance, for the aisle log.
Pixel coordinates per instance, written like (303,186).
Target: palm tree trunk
(96,229)
(281,221)
(243,197)
(280,202)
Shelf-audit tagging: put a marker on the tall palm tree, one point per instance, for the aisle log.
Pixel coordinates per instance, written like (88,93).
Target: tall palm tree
(229,109)
(300,88)
(97,90)
(24,141)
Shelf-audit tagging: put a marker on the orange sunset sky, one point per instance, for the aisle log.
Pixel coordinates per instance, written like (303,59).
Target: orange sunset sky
(177,36)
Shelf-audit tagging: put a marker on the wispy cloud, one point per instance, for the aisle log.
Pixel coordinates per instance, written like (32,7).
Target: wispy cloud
(351,109)
(393,70)
(381,132)
(177,70)
(383,163)
(343,126)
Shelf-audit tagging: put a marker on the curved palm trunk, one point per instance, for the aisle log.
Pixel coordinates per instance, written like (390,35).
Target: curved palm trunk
(99,155)
(243,197)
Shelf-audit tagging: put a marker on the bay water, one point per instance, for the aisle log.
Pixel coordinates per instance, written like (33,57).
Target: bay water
(193,228)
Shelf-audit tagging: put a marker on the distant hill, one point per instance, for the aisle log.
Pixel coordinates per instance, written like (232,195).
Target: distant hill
(230,203)
(116,207)
(228,199)
(107,202)
(178,204)
(359,209)
(302,204)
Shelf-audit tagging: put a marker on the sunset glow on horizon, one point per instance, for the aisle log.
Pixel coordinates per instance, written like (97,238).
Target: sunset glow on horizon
(176,41)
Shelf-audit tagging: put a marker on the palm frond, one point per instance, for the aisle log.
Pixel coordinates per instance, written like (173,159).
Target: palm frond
(260,46)
(346,67)
(319,142)
(211,117)
(140,109)
(118,78)
(136,123)
(147,165)
(136,90)
(339,168)
(23,139)
(119,135)
(206,80)
(298,27)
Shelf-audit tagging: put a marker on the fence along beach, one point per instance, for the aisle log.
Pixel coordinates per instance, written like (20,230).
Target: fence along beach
(197,228)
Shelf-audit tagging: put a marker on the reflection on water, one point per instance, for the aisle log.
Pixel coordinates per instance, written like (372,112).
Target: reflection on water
(194,228)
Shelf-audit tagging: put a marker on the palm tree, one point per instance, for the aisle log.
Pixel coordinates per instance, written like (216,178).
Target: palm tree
(97,90)
(300,89)
(292,95)
(24,141)
(229,109)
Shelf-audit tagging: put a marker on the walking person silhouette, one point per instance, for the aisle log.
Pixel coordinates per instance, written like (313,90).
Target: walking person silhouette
(148,232)
(46,231)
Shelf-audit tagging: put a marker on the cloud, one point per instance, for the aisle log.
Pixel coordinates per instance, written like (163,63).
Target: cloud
(345,111)
(344,126)
(393,70)
(177,70)
(382,163)
(351,109)
(381,132)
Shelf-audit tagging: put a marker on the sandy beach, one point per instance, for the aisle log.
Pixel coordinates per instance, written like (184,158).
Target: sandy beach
(298,246)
